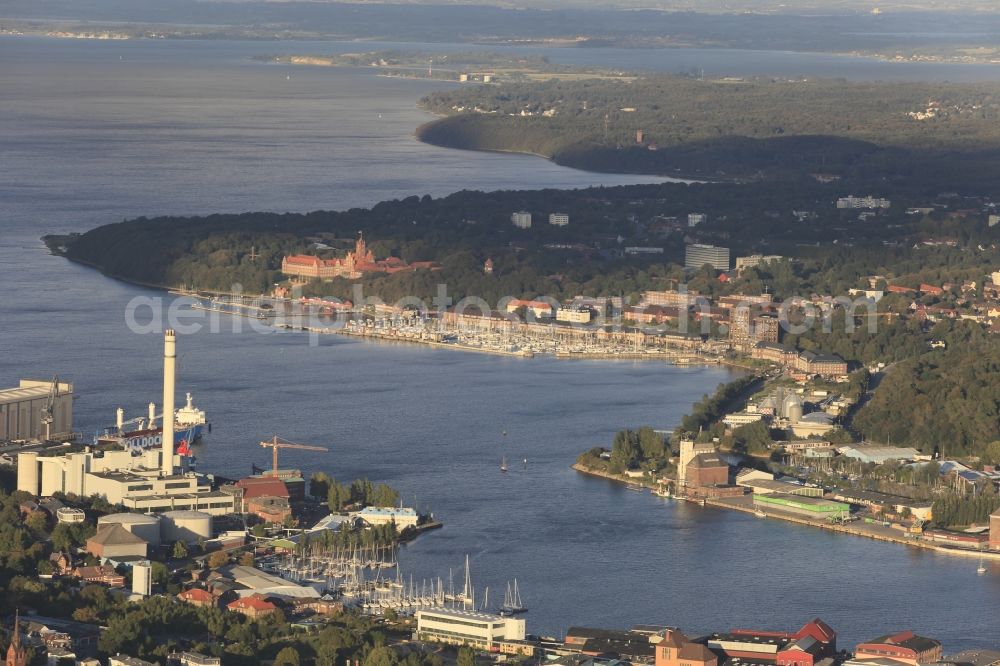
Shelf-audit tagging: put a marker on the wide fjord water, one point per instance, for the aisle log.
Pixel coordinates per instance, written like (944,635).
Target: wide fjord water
(93,132)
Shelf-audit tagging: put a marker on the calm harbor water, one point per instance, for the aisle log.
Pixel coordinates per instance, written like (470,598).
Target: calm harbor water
(94,132)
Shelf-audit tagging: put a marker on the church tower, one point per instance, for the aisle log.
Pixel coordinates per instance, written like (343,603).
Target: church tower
(361,252)
(16,656)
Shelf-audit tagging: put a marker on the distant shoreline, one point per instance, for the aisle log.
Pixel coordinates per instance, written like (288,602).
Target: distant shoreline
(118,31)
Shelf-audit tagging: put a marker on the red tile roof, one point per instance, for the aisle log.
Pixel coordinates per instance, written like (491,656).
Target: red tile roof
(254,602)
(819,630)
(196,594)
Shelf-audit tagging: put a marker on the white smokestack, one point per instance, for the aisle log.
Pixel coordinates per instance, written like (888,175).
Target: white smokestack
(169,379)
(152,414)
(120,420)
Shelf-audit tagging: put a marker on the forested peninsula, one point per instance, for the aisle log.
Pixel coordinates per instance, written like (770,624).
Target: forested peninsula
(938,136)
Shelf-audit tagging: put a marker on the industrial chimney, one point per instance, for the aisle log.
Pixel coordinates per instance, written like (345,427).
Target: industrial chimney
(169,372)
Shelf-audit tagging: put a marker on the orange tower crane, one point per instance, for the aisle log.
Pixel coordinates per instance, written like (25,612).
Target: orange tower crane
(276,443)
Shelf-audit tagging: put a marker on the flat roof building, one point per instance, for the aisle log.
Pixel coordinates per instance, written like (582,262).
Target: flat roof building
(698,254)
(808,507)
(879,454)
(403,517)
(478,630)
(905,647)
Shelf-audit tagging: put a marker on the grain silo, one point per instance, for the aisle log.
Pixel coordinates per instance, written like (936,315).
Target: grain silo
(186,526)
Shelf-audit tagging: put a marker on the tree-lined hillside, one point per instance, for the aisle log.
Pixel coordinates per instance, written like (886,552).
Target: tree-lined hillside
(733,128)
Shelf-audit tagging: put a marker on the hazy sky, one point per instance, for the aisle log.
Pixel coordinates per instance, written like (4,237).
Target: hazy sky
(75,9)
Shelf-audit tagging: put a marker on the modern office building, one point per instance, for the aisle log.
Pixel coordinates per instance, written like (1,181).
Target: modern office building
(478,630)
(698,254)
(558,219)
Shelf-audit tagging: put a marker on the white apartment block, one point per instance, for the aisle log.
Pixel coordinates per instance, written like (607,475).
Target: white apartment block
(521,219)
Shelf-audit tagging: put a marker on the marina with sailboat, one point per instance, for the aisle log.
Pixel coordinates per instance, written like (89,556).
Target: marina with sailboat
(370,580)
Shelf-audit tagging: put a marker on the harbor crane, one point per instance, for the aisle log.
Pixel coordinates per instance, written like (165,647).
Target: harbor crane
(48,411)
(276,443)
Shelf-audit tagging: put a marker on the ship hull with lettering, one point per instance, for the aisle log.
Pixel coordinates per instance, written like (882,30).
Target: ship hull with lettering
(139,440)
(190,427)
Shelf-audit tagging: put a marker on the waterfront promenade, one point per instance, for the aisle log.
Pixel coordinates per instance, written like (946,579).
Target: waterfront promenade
(875,531)
(562,342)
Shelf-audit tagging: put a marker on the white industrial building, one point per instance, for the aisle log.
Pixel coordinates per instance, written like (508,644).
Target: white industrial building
(558,219)
(134,482)
(154,480)
(36,410)
(478,630)
(403,517)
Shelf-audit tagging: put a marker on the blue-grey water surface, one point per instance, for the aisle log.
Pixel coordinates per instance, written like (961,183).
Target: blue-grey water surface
(92,132)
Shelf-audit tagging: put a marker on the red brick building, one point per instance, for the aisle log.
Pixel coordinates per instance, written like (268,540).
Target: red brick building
(825,365)
(101,574)
(677,650)
(262,486)
(270,509)
(707,469)
(811,643)
(904,646)
(351,266)
(197,597)
(814,641)
(252,607)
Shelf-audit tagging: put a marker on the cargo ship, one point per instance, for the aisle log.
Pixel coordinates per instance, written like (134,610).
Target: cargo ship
(190,427)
